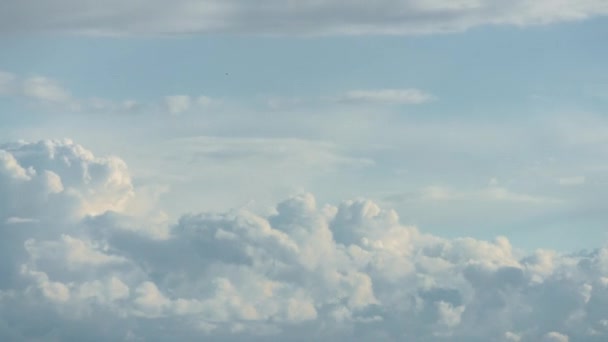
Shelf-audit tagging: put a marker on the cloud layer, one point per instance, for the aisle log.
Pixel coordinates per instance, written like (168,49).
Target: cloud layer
(329,17)
(79,264)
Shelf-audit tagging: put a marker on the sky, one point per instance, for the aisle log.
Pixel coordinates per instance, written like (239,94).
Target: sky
(280,170)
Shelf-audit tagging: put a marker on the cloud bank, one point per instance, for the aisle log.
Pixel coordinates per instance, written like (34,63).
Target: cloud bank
(329,17)
(78,263)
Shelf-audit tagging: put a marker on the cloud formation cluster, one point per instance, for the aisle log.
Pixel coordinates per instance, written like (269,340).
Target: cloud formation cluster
(51,94)
(329,17)
(77,264)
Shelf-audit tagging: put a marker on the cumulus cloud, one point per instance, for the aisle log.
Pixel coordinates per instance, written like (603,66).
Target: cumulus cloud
(280,17)
(58,178)
(77,269)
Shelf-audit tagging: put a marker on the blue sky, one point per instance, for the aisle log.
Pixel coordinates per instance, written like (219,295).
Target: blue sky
(508,81)
(226,134)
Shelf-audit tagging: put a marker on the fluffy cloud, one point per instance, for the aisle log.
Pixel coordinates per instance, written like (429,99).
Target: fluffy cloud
(280,17)
(74,267)
(59,179)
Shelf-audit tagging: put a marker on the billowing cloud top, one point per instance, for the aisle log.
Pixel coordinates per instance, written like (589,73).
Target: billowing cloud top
(307,17)
(60,179)
(73,267)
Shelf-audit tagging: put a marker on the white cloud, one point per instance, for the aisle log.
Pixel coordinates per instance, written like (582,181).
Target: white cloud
(512,337)
(44,89)
(351,272)
(493,192)
(30,176)
(204,100)
(330,17)
(104,105)
(51,94)
(571,181)
(278,150)
(19,220)
(37,88)
(277,102)
(106,291)
(52,290)
(449,315)
(150,300)
(177,104)
(555,337)
(387,96)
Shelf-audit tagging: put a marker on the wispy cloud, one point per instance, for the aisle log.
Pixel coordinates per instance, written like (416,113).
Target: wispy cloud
(51,94)
(489,193)
(572,181)
(410,96)
(332,17)
(177,104)
(44,89)
(20,220)
(36,88)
